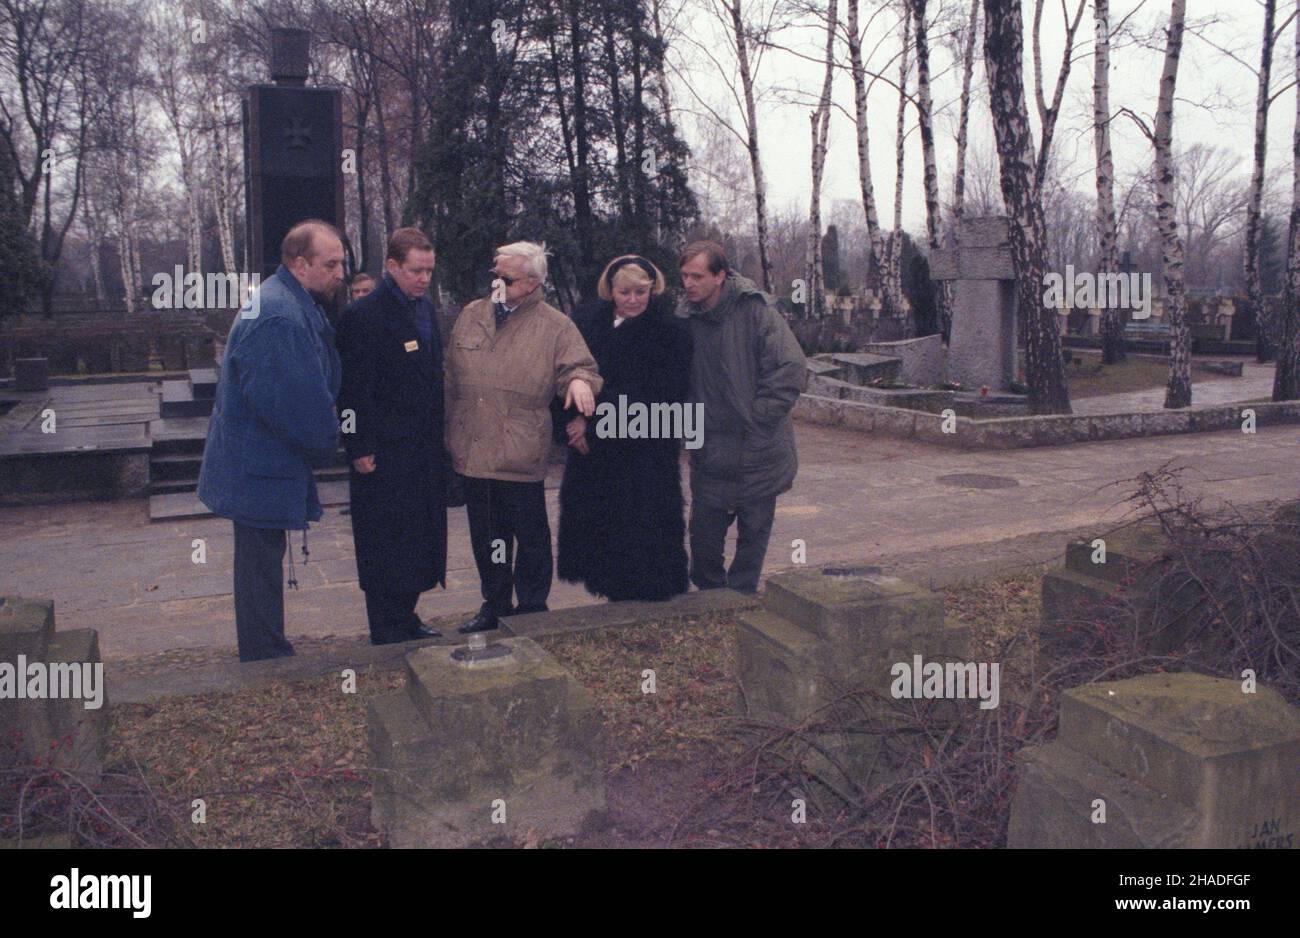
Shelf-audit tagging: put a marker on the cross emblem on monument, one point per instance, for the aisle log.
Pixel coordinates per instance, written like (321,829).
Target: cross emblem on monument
(299,134)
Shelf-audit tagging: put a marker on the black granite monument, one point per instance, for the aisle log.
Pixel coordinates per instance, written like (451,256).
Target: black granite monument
(293,151)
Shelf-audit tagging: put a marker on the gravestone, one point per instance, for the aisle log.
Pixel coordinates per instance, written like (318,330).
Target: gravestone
(61,732)
(484,744)
(982,343)
(822,633)
(1174,760)
(293,143)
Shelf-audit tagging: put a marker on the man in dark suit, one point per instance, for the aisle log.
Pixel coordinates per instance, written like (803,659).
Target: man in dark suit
(393,389)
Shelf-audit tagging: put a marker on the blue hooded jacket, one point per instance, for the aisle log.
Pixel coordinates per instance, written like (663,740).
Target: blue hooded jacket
(273,421)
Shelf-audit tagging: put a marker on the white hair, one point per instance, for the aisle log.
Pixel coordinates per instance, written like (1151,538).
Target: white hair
(533,254)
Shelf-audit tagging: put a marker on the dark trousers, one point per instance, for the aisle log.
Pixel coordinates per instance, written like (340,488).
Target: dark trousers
(513,514)
(392,617)
(259,593)
(709,537)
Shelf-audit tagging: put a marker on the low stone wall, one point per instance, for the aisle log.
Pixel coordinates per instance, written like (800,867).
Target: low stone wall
(1021,432)
(76,345)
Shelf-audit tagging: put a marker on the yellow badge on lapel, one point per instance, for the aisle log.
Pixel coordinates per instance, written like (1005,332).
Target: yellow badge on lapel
(412,346)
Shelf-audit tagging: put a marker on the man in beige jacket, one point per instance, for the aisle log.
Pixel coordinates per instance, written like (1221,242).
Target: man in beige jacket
(509,355)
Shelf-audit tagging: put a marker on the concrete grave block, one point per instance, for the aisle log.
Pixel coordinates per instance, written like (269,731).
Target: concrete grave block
(466,739)
(26,627)
(863,368)
(31,374)
(825,633)
(921,359)
(1180,760)
(61,731)
(79,733)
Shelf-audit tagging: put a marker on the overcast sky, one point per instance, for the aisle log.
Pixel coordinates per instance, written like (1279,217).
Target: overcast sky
(1215,104)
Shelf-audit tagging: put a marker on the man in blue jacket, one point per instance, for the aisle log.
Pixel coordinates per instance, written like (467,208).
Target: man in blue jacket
(273,422)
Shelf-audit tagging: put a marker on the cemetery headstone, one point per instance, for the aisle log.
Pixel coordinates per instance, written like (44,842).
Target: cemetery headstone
(982,344)
(484,744)
(293,138)
(1163,760)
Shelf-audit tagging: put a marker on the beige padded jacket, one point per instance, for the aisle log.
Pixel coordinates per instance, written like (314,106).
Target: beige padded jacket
(499,386)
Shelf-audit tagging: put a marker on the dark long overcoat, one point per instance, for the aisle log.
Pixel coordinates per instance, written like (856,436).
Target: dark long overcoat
(393,383)
(621,531)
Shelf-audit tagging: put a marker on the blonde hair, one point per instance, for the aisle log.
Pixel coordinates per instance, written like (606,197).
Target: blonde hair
(533,254)
(629,273)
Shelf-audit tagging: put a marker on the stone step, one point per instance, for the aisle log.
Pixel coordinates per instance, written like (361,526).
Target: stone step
(181,506)
(203,382)
(178,400)
(1133,555)
(173,467)
(189,482)
(177,435)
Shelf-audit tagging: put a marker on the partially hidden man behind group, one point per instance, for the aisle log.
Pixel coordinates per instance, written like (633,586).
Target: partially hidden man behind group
(427,427)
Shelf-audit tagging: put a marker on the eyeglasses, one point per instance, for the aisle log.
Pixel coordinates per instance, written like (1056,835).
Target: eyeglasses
(508,281)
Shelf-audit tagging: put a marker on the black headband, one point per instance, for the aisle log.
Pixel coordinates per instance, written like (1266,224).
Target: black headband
(640,262)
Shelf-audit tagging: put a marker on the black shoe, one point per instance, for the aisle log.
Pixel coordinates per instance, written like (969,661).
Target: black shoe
(420,630)
(483,621)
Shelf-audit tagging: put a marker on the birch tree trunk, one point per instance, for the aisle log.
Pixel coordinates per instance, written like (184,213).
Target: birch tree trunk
(751,126)
(869,210)
(820,121)
(1286,380)
(1254,279)
(93,223)
(925,113)
(874,235)
(1112,326)
(894,276)
(1003,53)
(1178,392)
(963,120)
(221,194)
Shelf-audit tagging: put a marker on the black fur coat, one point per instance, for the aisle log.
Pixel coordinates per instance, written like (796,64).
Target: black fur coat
(622,533)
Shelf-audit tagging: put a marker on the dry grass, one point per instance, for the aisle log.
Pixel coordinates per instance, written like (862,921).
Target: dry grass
(285,765)
(278,766)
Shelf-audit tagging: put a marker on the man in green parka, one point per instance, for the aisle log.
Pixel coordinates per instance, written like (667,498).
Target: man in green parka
(748,371)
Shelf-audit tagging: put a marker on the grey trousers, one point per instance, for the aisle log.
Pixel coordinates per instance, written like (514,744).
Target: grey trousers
(708,532)
(259,593)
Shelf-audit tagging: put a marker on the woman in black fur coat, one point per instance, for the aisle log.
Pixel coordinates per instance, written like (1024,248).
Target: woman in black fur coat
(622,533)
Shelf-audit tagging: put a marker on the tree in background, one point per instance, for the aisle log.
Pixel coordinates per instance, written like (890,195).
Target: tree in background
(22,275)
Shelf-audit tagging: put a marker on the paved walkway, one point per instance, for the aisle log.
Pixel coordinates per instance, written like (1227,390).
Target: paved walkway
(1256,382)
(857,498)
